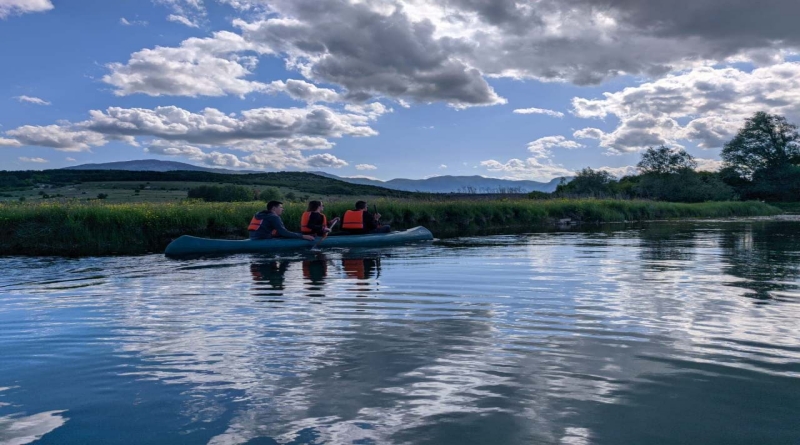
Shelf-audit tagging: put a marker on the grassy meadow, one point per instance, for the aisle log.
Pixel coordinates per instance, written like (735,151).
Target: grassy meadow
(103,227)
(127,191)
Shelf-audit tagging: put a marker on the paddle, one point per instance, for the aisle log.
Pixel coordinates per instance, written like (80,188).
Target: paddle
(321,239)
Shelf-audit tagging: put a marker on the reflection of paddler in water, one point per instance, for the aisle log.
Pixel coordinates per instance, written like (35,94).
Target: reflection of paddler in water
(273,272)
(314,273)
(361,268)
(316,270)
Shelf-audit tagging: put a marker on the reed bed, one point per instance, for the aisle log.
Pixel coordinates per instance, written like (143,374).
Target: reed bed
(73,228)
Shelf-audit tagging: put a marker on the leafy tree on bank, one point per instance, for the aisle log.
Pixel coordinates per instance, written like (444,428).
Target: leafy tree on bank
(761,161)
(685,185)
(766,141)
(664,160)
(588,182)
(669,175)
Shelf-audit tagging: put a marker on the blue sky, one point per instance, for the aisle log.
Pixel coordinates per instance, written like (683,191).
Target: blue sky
(405,88)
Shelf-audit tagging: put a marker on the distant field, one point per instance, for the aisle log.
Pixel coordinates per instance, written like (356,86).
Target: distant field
(148,191)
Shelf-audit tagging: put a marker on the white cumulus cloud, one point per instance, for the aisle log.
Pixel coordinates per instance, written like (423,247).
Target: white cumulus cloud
(10,7)
(177,18)
(538,169)
(63,138)
(32,100)
(541,147)
(713,103)
(5,142)
(366,167)
(588,133)
(34,160)
(213,158)
(125,22)
(302,90)
(199,67)
(326,160)
(539,111)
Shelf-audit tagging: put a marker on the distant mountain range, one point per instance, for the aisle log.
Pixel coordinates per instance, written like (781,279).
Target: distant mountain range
(436,184)
(153,165)
(455,184)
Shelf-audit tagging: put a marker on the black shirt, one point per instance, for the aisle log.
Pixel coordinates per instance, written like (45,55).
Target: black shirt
(316,222)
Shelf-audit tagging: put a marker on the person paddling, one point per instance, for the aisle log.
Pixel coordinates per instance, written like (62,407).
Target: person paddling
(267,224)
(314,222)
(361,221)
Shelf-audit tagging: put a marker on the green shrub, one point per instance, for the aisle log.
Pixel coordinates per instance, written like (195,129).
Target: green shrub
(225,193)
(270,194)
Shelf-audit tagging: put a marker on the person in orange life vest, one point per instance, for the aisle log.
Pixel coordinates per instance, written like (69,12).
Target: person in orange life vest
(267,224)
(314,222)
(361,221)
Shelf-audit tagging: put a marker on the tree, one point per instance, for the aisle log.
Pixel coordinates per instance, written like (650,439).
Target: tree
(766,141)
(270,194)
(215,193)
(588,182)
(684,186)
(664,160)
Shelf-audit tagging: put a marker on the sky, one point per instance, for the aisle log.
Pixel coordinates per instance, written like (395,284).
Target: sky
(392,88)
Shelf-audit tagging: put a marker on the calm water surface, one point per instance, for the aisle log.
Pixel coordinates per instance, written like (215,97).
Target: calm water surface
(668,333)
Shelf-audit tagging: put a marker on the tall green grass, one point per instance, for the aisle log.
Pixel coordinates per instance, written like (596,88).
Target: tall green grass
(94,228)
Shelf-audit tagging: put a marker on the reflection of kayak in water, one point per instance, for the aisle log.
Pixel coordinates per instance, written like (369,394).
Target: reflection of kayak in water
(190,245)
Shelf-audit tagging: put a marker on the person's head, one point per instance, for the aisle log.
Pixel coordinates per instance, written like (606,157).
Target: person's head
(361,205)
(314,206)
(275,207)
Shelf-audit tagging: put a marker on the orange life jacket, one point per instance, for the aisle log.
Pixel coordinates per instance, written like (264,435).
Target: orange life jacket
(254,224)
(353,220)
(304,222)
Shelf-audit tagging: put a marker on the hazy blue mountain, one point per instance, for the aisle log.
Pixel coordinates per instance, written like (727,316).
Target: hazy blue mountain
(152,165)
(456,184)
(436,184)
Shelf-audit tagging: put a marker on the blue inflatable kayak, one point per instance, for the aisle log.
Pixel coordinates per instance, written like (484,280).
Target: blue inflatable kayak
(191,245)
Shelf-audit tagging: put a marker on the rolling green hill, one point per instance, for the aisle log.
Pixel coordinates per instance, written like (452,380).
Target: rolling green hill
(299,181)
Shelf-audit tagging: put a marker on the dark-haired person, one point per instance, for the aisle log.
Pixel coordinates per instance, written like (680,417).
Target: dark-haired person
(361,221)
(314,222)
(267,224)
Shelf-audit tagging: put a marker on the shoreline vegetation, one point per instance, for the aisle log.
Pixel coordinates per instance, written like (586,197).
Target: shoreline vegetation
(76,228)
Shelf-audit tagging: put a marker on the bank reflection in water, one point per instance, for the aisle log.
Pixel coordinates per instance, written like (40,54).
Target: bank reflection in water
(764,257)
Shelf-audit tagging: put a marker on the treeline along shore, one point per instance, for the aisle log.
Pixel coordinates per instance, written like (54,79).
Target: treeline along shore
(77,228)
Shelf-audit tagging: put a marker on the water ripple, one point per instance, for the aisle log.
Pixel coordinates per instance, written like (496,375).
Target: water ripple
(545,338)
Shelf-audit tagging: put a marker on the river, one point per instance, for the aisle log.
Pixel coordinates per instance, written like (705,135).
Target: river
(671,332)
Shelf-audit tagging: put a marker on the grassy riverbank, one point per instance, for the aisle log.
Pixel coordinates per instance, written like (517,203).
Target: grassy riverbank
(95,228)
